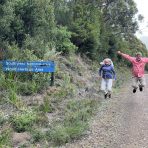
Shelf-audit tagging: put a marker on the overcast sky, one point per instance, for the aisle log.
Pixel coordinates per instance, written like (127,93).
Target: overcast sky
(142,6)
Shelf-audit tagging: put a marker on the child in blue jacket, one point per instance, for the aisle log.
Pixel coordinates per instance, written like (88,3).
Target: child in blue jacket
(107,73)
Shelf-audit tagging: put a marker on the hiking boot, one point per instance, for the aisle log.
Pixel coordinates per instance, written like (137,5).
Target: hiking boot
(141,88)
(105,96)
(134,90)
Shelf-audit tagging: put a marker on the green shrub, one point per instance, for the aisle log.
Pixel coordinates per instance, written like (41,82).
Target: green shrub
(37,135)
(61,133)
(2,81)
(76,129)
(42,119)
(75,122)
(14,99)
(3,118)
(63,42)
(12,96)
(80,115)
(46,107)
(67,88)
(58,135)
(23,121)
(27,88)
(75,105)
(5,136)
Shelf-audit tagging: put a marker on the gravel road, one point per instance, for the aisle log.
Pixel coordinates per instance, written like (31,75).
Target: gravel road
(121,122)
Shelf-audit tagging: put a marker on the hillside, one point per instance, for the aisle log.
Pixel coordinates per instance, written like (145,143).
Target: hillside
(57,114)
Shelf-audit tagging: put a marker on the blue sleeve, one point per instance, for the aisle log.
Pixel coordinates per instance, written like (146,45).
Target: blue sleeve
(113,71)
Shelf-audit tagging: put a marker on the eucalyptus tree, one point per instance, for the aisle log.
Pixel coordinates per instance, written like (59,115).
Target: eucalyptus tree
(61,12)
(118,22)
(6,17)
(84,23)
(119,16)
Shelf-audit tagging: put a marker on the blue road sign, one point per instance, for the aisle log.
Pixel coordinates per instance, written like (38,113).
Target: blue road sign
(28,66)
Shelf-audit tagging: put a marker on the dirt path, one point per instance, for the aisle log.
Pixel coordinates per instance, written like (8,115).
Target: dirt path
(122,122)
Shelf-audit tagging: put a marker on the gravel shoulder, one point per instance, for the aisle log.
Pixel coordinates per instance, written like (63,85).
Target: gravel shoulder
(121,122)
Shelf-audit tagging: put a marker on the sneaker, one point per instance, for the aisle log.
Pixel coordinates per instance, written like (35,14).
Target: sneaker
(134,90)
(141,88)
(109,95)
(105,96)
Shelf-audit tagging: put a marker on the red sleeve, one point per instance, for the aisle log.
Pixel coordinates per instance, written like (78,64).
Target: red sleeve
(145,60)
(126,56)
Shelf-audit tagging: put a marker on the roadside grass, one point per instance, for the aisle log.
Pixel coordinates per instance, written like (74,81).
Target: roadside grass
(3,118)
(123,75)
(23,121)
(37,135)
(47,106)
(75,122)
(5,137)
(66,89)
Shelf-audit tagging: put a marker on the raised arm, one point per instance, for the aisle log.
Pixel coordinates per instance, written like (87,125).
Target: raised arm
(145,60)
(126,56)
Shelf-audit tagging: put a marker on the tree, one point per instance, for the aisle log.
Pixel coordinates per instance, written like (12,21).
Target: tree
(6,18)
(85,26)
(119,16)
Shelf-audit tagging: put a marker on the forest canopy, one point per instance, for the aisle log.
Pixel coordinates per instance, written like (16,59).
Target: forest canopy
(97,28)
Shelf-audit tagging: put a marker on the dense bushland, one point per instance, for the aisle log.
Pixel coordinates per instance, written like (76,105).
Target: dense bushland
(63,31)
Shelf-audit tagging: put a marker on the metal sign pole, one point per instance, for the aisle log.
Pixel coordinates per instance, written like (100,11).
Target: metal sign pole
(52,79)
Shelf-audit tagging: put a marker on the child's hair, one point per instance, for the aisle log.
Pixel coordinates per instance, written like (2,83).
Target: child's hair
(107,59)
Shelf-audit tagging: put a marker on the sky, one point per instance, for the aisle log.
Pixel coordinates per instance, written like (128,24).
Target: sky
(142,6)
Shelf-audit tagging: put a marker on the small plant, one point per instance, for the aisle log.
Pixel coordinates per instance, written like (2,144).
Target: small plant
(75,105)
(5,136)
(67,88)
(2,80)
(42,119)
(27,87)
(61,133)
(13,99)
(58,135)
(76,129)
(3,118)
(46,107)
(23,121)
(37,135)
